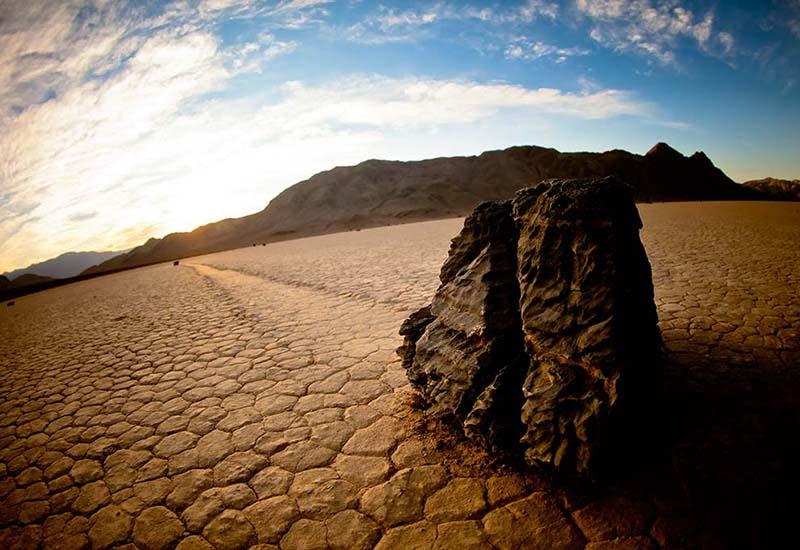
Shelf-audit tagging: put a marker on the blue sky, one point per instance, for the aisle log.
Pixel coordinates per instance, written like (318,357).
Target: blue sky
(120,122)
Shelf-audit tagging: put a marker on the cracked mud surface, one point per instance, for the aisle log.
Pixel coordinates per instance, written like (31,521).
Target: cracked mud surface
(252,398)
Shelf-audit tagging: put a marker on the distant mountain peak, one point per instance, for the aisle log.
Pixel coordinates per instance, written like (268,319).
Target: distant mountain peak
(664,150)
(64,265)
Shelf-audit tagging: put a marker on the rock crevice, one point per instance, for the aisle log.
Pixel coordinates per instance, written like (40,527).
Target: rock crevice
(543,335)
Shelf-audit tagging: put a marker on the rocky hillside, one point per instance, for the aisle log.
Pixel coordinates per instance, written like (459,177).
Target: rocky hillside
(776,189)
(25,284)
(379,192)
(29,279)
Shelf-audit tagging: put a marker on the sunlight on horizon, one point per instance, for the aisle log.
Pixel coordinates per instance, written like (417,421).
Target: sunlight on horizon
(123,122)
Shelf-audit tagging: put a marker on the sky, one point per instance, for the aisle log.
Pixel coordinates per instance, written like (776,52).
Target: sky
(124,121)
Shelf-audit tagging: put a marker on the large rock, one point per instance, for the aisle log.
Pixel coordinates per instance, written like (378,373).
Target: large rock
(588,318)
(543,335)
(472,334)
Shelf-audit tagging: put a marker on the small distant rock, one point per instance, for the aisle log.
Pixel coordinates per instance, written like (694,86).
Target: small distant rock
(10,303)
(176,262)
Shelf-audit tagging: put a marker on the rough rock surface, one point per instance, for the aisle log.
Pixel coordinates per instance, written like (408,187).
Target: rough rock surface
(474,338)
(544,323)
(411,330)
(588,317)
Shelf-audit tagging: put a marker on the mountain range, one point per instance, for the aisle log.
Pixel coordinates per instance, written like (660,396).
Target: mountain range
(68,264)
(777,189)
(23,281)
(381,192)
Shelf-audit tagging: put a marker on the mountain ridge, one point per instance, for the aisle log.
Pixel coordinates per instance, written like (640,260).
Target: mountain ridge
(382,192)
(776,188)
(64,265)
(29,279)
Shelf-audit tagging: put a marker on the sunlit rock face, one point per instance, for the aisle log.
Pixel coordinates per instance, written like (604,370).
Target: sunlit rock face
(543,336)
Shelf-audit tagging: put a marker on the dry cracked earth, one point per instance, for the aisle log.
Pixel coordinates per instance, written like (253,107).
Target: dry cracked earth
(252,398)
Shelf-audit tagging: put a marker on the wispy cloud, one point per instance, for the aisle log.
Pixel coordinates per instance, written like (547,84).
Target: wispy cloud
(82,216)
(652,28)
(412,102)
(87,88)
(793,19)
(120,121)
(390,25)
(144,149)
(282,13)
(529,50)
(251,56)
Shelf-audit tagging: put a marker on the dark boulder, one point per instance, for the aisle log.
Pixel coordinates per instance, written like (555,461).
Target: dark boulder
(473,332)
(542,337)
(588,318)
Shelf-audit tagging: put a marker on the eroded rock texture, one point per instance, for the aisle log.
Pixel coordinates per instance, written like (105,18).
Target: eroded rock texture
(543,334)
(469,347)
(588,318)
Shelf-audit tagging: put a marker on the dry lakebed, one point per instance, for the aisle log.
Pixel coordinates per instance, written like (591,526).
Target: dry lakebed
(253,399)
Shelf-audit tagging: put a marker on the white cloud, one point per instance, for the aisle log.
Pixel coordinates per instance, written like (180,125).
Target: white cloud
(411,102)
(44,47)
(283,6)
(148,158)
(293,5)
(727,42)
(390,25)
(251,56)
(652,28)
(535,8)
(87,90)
(527,50)
(218,5)
(282,13)
(125,132)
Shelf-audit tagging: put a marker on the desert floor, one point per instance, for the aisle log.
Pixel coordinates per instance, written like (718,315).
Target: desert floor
(254,397)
